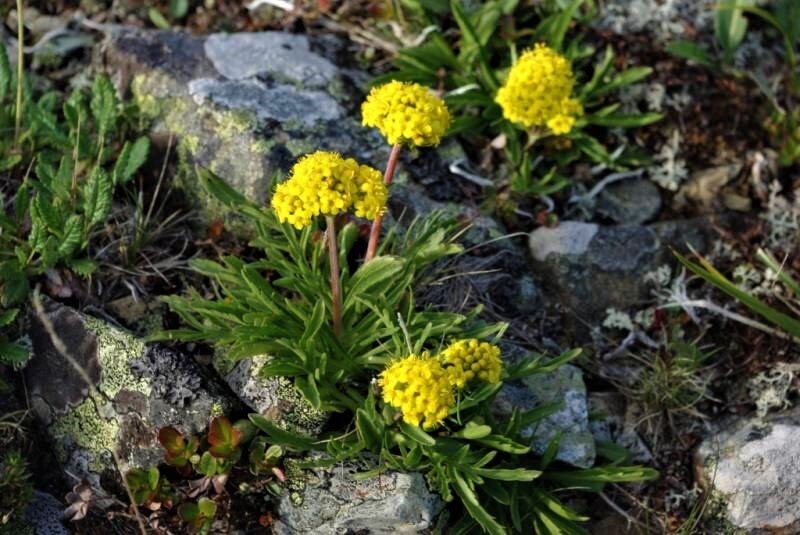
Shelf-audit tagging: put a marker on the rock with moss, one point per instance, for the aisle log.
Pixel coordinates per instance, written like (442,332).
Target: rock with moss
(137,389)
(246,106)
(327,501)
(275,398)
(751,469)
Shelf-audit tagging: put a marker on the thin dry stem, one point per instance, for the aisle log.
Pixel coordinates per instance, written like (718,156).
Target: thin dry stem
(20,70)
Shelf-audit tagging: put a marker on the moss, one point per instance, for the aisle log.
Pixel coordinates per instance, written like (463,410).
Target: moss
(115,350)
(88,430)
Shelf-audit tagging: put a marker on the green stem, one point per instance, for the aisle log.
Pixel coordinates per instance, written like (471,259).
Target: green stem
(336,282)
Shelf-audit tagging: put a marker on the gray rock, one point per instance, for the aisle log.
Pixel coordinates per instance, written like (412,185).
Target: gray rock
(247,106)
(140,389)
(44,515)
(609,421)
(591,268)
(330,501)
(274,398)
(564,385)
(752,468)
(630,202)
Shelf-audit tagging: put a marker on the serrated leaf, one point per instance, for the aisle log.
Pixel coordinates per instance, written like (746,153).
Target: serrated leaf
(82,266)
(72,237)
(7,316)
(104,104)
(130,159)
(11,353)
(98,192)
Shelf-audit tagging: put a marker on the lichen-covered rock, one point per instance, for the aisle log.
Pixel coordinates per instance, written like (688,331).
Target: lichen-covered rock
(664,20)
(274,398)
(140,388)
(571,421)
(44,515)
(751,467)
(329,501)
(246,106)
(591,268)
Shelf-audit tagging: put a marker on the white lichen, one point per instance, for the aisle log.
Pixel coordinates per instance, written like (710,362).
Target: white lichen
(771,388)
(670,170)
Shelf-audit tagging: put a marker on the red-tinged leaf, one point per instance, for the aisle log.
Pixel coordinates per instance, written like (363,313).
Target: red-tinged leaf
(223,437)
(171,440)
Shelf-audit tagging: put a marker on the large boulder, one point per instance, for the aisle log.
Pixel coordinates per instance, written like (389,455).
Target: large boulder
(246,106)
(327,501)
(751,468)
(139,389)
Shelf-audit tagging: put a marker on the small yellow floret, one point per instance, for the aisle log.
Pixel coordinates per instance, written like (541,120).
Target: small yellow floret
(538,91)
(324,183)
(465,360)
(406,112)
(420,388)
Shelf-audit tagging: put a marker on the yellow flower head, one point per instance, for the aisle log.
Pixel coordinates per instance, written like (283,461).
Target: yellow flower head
(538,91)
(465,360)
(406,112)
(324,183)
(420,388)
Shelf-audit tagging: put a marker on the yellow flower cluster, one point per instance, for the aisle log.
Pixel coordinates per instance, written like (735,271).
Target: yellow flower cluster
(538,91)
(406,112)
(324,183)
(422,387)
(468,359)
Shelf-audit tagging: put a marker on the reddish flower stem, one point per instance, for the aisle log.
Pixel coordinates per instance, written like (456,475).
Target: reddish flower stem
(375,231)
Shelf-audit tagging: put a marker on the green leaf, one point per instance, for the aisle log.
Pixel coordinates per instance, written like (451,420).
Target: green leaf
(104,104)
(470,40)
(504,474)
(6,74)
(473,506)
(730,26)
(381,272)
(158,20)
(82,266)
(130,159)
(98,192)
(503,443)
(558,26)
(11,353)
(370,429)
(217,188)
(283,438)
(178,9)
(308,387)
(72,236)
(710,274)
(416,434)
(472,431)
(625,120)
(15,285)
(690,51)
(8,316)
(207,465)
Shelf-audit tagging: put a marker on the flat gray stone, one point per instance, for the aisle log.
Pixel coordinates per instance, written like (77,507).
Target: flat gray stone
(44,515)
(330,501)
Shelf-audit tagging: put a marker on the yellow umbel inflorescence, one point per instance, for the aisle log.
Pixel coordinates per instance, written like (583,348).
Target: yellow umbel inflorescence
(466,360)
(324,183)
(407,113)
(423,387)
(538,91)
(420,387)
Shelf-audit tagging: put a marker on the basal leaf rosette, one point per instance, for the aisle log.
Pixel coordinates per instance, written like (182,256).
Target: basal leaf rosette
(325,183)
(406,113)
(538,91)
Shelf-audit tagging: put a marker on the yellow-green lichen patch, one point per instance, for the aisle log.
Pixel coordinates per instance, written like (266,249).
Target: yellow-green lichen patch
(115,351)
(85,428)
(299,416)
